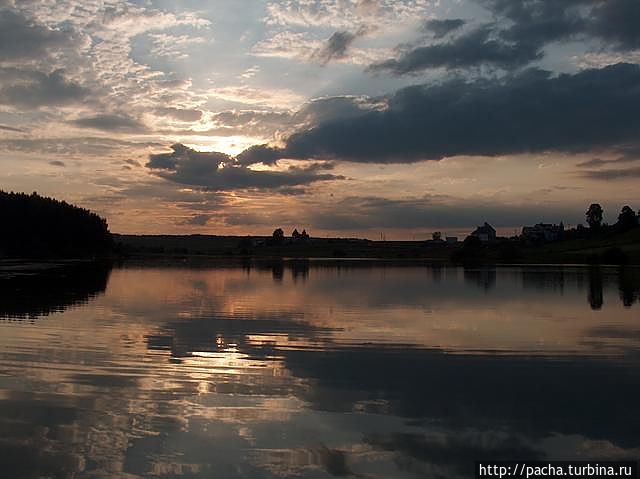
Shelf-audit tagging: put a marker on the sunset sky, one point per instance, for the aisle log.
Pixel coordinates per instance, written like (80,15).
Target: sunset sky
(344,117)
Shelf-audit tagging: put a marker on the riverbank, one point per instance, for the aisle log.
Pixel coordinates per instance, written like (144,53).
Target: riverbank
(623,248)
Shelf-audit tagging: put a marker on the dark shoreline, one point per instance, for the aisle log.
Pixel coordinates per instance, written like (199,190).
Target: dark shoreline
(615,250)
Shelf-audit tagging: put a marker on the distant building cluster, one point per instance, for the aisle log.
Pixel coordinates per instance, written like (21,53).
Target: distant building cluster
(543,232)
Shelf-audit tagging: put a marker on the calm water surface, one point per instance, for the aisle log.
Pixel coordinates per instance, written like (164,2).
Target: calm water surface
(309,370)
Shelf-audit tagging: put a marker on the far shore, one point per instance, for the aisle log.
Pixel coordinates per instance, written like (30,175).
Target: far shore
(618,249)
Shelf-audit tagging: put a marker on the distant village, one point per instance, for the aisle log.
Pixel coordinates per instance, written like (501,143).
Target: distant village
(537,234)
(548,232)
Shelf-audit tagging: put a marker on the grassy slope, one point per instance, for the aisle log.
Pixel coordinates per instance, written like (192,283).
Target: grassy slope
(579,250)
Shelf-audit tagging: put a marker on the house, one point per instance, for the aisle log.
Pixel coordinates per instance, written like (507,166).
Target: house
(485,233)
(451,239)
(543,232)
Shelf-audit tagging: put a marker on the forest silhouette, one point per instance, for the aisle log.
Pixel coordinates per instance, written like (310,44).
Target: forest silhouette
(39,227)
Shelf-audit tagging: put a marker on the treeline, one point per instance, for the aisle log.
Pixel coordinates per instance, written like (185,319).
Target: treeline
(39,227)
(597,243)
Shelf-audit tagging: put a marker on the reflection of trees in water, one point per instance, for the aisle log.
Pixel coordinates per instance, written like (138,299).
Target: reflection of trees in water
(547,280)
(277,272)
(629,285)
(595,278)
(595,295)
(484,277)
(628,280)
(299,270)
(436,273)
(29,295)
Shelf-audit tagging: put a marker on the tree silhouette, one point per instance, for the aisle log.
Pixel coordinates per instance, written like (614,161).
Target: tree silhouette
(437,236)
(594,215)
(278,236)
(627,218)
(36,226)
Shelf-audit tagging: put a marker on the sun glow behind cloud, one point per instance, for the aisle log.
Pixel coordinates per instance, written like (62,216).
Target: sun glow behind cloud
(91,91)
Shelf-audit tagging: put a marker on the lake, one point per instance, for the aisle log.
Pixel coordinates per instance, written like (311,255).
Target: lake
(315,369)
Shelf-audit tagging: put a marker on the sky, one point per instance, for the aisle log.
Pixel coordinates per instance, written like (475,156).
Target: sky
(343,117)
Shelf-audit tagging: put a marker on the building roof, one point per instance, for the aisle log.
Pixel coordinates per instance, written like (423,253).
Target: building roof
(485,229)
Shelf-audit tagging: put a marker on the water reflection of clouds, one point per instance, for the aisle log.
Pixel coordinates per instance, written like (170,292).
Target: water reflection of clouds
(201,372)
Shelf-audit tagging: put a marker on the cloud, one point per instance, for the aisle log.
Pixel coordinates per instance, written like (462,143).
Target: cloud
(32,89)
(339,14)
(76,147)
(530,112)
(264,154)
(266,123)
(305,47)
(441,28)
(244,94)
(613,174)
(597,162)
(11,128)
(362,213)
(540,21)
(198,220)
(259,123)
(617,21)
(174,46)
(180,114)
(519,33)
(336,46)
(218,171)
(478,47)
(25,39)
(110,122)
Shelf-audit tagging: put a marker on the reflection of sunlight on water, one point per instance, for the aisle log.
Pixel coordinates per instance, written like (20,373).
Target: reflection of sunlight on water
(377,373)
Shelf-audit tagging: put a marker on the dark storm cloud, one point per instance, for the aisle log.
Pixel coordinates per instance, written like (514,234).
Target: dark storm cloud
(32,89)
(441,28)
(520,32)
(264,154)
(474,48)
(182,156)
(529,112)
(109,122)
(23,39)
(617,21)
(540,21)
(325,109)
(336,46)
(218,171)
